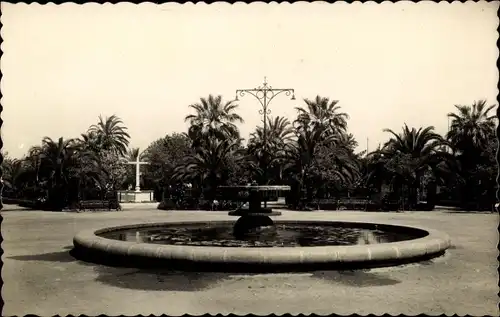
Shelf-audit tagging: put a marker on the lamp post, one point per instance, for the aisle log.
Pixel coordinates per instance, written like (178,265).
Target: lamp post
(264,94)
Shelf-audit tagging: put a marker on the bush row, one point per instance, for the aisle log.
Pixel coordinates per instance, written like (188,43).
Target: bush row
(223,205)
(80,205)
(322,204)
(354,204)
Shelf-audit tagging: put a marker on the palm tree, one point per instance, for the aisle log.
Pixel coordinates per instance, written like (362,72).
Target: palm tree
(89,141)
(373,171)
(279,130)
(470,127)
(315,152)
(56,158)
(213,119)
(13,172)
(323,112)
(89,176)
(408,156)
(269,156)
(471,133)
(20,176)
(209,164)
(324,148)
(133,153)
(349,141)
(111,134)
(32,164)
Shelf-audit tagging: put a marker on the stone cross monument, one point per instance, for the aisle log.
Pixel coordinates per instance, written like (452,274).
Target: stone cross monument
(138,195)
(137,164)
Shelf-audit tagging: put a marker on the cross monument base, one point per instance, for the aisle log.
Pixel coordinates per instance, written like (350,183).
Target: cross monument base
(132,196)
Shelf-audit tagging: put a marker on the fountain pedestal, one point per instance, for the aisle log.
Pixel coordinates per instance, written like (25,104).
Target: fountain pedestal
(254,217)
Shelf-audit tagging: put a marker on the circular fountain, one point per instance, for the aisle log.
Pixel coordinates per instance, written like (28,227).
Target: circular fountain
(257,243)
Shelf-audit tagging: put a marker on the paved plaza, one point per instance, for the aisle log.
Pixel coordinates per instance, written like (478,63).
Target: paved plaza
(41,277)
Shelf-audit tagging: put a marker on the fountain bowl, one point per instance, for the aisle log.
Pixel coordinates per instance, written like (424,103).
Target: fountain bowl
(90,246)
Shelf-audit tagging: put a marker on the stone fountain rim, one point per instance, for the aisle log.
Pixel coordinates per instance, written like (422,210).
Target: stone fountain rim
(434,242)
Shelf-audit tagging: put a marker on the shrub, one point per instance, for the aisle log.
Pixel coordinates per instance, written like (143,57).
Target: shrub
(10,201)
(167,205)
(32,204)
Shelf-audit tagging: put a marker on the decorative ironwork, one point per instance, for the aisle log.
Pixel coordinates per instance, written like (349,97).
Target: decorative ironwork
(265,94)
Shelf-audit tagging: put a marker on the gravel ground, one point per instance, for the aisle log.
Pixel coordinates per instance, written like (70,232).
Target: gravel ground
(41,278)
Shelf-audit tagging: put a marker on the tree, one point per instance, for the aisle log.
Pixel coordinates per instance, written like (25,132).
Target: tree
(164,155)
(213,119)
(308,155)
(321,112)
(13,174)
(110,134)
(209,165)
(113,168)
(55,160)
(133,153)
(472,133)
(408,156)
(349,141)
(269,155)
(335,167)
(215,140)
(471,127)
(322,151)
(87,174)
(89,142)
(373,171)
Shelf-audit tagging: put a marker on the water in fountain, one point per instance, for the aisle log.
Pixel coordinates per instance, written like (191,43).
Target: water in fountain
(279,235)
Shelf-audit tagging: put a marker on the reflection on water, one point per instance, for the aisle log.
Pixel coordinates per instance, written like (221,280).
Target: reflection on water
(132,235)
(277,236)
(368,237)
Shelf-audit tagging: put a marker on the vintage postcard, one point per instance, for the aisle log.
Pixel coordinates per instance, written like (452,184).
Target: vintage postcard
(262,158)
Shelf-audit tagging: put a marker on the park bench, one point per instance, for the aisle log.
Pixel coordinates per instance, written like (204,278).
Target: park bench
(220,205)
(353,203)
(98,205)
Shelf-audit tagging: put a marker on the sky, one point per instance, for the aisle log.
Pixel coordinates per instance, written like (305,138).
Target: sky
(387,64)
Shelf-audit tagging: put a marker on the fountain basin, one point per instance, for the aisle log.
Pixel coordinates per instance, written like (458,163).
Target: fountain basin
(89,245)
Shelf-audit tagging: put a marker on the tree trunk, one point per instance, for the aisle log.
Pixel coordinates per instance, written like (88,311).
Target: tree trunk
(431,195)
(212,190)
(413,195)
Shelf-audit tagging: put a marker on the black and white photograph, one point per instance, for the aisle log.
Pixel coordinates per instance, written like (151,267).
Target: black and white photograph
(262,158)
